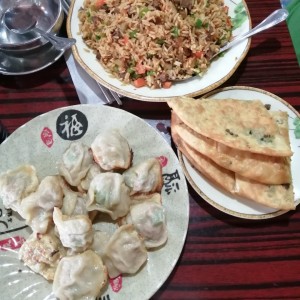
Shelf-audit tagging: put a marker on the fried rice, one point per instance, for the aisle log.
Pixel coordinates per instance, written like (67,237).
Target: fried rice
(153,43)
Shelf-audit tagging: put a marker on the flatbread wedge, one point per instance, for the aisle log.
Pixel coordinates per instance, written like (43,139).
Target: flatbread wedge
(280,197)
(258,167)
(218,175)
(239,124)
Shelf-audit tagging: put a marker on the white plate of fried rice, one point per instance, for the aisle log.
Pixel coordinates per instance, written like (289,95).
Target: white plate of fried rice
(155,50)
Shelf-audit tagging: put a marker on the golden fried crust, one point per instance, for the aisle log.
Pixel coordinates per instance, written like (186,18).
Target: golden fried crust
(240,124)
(258,167)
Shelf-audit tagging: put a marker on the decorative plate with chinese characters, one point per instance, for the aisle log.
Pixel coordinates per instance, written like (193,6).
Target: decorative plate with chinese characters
(238,206)
(41,142)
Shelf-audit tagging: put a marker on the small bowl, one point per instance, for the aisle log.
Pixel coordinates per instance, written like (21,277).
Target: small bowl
(49,16)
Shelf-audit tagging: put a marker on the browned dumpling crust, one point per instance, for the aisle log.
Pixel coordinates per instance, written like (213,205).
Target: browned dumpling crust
(42,253)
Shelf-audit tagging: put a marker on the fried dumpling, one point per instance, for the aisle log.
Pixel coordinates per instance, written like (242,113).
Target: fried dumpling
(111,151)
(75,232)
(93,171)
(149,219)
(41,253)
(37,208)
(108,193)
(125,252)
(17,184)
(145,177)
(75,163)
(100,241)
(80,276)
(74,203)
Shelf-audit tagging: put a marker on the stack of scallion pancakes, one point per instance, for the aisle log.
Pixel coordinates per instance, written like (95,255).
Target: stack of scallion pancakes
(239,145)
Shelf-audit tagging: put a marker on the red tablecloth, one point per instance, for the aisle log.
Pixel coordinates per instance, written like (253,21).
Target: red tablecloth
(224,257)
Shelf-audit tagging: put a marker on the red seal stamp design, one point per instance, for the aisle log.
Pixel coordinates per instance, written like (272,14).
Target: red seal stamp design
(116,283)
(47,137)
(163,160)
(12,243)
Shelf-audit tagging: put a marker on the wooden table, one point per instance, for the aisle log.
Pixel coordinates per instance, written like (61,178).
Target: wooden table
(224,257)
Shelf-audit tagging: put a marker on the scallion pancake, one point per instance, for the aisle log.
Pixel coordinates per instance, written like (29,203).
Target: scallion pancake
(258,167)
(278,196)
(239,124)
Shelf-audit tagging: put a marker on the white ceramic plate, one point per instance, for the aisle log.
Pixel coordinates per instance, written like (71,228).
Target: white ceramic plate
(220,70)
(238,206)
(41,142)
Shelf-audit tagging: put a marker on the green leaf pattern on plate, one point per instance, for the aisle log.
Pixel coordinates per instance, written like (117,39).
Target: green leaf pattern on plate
(240,15)
(297,128)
